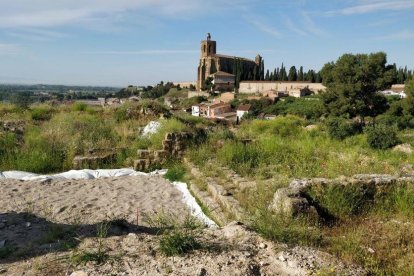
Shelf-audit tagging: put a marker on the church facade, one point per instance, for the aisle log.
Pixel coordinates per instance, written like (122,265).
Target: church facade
(225,71)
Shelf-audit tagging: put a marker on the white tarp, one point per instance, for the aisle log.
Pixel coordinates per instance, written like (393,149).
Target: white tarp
(191,202)
(188,199)
(151,128)
(77,174)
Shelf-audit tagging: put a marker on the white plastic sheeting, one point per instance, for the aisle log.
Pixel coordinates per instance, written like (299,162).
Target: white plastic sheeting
(77,174)
(151,128)
(188,199)
(191,202)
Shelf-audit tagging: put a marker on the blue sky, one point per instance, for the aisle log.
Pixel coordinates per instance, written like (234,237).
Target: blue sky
(140,42)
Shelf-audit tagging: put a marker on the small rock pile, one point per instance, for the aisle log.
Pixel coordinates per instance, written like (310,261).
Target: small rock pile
(16,127)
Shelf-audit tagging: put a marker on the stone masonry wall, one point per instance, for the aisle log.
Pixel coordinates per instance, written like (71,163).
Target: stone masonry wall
(173,147)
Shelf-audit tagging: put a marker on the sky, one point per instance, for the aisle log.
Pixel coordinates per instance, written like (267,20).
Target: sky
(141,42)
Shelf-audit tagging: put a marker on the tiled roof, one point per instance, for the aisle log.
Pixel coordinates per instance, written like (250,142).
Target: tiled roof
(244,107)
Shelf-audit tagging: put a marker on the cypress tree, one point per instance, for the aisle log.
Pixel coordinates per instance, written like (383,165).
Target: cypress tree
(292,74)
(300,74)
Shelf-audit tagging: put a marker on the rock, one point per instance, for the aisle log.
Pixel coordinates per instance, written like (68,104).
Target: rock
(203,272)
(2,243)
(311,127)
(262,245)
(28,224)
(151,128)
(405,148)
(2,225)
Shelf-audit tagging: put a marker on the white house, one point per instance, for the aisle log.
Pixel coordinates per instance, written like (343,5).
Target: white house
(195,110)
(242,110)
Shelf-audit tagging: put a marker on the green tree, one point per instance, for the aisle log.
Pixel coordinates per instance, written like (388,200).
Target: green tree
(352,83)
(267,77)
(300,74)
(293,75)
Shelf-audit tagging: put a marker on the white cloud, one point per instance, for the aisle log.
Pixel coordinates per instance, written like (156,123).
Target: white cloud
(310,25)
(261,26)
(291,26)
(46,13)
(401,35)
(36,34)
(364,7)
(9,49)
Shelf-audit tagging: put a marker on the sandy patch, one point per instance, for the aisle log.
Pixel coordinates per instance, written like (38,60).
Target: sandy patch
(91,201)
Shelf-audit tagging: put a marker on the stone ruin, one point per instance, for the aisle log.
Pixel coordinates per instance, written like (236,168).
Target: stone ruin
(16,127)
(95,159)
(173,147)
(294,201)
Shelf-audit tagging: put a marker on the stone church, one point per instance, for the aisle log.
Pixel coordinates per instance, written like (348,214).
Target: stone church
(225,70)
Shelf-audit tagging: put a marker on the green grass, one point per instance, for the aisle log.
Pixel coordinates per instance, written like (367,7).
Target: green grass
(176,172)
(287,149)
(99,255)
(167,126)
(178,242)
(41,112)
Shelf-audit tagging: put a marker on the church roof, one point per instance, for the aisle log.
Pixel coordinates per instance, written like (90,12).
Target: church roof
(221,73)
(233,57)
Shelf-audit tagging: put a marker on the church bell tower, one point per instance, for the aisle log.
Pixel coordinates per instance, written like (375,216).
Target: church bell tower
(208,47)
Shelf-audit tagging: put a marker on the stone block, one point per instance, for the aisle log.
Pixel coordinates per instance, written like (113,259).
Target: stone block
(140,164)
(160,155)
(143,154)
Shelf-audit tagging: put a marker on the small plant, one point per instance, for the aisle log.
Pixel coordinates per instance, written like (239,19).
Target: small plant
(175,173)
(177,237)
(382,137)
(178,242)
(59,233)
(99,256)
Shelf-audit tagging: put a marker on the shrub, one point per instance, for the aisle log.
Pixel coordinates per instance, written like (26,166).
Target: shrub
(340,129)
(382,137)
(78,106)
(41,112)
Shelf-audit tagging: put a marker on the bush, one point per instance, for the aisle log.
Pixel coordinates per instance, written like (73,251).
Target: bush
(41,112)
(78,106)
(340,129)
(382,137)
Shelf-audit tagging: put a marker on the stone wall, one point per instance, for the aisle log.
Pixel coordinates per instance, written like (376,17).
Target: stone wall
(94,160)
(173,147)
(293,200)
(252,87)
